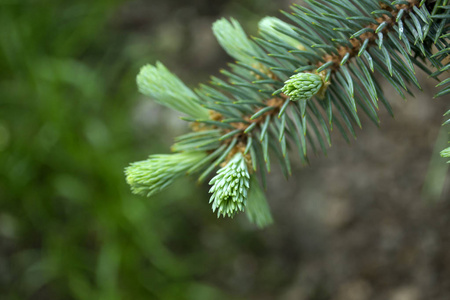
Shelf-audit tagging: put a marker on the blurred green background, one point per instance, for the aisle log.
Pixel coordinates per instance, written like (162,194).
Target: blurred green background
(71,120)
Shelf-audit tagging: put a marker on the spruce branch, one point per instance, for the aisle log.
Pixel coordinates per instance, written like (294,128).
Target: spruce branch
(290,87)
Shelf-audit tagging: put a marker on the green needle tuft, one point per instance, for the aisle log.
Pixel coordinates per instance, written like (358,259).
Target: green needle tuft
(446,153)
(277,29)
(156,173)
(234,40)
(229,187)
(167,89)
(258,210)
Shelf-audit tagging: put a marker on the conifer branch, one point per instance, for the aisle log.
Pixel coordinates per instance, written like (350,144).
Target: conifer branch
(290,86)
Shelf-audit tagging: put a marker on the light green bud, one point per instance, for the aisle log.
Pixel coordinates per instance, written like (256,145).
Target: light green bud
(229,187)
(302,86)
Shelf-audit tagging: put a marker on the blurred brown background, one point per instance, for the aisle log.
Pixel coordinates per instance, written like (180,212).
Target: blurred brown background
(370,221)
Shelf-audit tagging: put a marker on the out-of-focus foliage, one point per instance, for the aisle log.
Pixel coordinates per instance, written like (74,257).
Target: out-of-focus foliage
(69,226)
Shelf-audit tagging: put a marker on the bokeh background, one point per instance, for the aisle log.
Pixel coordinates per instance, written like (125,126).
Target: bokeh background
(370,221)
